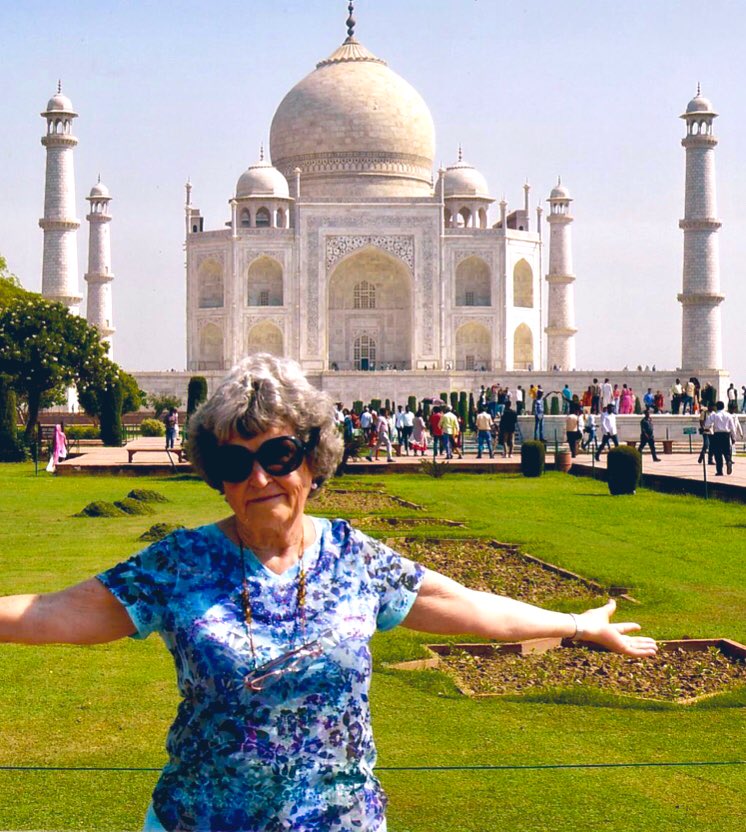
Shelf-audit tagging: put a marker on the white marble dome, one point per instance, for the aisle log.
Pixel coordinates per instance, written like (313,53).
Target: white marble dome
(699,104)
(99,191)
(59,103)
(464,180)
(559,191)
(355,128)
(262,179)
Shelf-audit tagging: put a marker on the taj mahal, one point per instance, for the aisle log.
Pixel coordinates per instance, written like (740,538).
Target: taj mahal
(347,250)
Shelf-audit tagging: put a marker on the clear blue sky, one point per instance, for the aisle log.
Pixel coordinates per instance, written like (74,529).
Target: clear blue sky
(588,90)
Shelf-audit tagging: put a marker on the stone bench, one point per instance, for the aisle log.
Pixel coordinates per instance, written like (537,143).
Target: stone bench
(150,450)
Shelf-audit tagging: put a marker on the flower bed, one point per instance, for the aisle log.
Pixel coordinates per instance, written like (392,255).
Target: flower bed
(344,503)
(373,522)
(490,566)
(682,671)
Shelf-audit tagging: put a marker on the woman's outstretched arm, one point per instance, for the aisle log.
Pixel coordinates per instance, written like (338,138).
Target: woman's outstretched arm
(446,607)
(86,613)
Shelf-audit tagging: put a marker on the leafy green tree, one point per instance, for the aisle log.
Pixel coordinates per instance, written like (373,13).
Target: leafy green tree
(90,394)
(44,349)
(163,401)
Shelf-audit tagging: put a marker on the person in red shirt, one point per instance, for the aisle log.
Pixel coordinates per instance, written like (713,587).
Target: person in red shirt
(435,431)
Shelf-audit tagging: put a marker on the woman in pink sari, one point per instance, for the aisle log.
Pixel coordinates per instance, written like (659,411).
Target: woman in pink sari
(627,400)
(59,447)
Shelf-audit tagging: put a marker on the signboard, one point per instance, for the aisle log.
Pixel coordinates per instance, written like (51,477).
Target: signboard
(690,431)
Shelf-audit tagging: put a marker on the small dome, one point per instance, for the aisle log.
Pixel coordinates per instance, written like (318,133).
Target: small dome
(59,103)
(699,104)
(464,180)
(559,191)
(99,191)
(262,179)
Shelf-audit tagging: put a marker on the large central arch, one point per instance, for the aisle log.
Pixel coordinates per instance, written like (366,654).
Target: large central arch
(370,294)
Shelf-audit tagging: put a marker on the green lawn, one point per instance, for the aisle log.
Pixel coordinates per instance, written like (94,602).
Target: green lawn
(110,706)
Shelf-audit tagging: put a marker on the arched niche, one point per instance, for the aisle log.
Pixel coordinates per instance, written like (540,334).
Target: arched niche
(523,285)
(211,347)
(523,348)
(473,347)
(370,292)
(473,283)
(263,218)
(264,282)
(265,337)
(210,284)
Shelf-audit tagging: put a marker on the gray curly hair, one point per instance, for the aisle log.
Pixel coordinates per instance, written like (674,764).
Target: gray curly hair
(259,393)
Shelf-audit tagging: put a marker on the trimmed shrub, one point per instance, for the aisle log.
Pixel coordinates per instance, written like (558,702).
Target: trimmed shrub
(357,406)
(100,508)
(638,406)
(11,450)
(412,402)
(130,506)
(623,470)
(159,531)
(196,393)
(454,401)
(147,496)
(375,404)
(152,427)
(111,414)
(532,458)
(463,408)
(554,407)
(387,405)
(444,397)
(426,411)
(82,432)
(433,468)
(472,412)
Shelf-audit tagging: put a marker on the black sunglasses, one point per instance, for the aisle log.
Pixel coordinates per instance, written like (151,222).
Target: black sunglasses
(278,456)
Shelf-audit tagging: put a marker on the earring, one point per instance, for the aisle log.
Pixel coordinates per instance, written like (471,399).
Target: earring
(314,486)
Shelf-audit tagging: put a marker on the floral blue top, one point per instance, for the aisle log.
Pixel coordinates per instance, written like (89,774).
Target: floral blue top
(299,753)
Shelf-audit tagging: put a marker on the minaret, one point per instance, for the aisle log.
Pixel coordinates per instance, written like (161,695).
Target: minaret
(560,328)
(99,274)
(701,335)
(59,274)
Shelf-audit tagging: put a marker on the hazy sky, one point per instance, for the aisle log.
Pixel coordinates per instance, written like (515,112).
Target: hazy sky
(589,90)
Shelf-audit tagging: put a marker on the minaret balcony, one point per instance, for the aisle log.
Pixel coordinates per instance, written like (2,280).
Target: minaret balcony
(700,298)
(697,224)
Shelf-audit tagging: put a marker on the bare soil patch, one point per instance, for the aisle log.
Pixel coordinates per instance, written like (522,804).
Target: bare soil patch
(344,503)
(489,566)
(374,523)
(675,674)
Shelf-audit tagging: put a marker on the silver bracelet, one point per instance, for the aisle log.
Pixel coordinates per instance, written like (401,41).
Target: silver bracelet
(579,631)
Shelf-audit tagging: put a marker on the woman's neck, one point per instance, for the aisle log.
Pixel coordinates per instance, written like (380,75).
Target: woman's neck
(277,549)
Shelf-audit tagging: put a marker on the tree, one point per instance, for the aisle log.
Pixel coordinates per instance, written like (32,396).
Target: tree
(90,394)
(111,396)
(163,401)
(10,449)
(44,349)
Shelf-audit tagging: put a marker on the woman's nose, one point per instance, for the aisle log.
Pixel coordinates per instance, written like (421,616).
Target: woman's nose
(258,477)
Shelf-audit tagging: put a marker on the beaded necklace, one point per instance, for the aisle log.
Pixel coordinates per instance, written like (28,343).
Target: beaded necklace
(300,603)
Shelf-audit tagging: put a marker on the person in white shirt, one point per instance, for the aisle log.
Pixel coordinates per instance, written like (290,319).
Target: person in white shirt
(406,428)
(607,394)
(608,429)
(723,436)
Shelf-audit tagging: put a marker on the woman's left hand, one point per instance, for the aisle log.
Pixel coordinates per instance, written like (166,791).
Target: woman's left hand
(596,628)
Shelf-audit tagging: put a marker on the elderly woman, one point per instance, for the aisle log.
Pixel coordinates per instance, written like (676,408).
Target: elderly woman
(268,615)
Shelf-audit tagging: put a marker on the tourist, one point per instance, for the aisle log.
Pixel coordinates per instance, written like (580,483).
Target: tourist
(418,442)
(595,396)
(705,431)
(506,430)
(407,427)
(572,430)
(723,436)
(649,399)
(659,402)
(626,401)
(586,400)
(171,421)
(393,432)
(269,614)
(677,396)
(381,438)
(616,395)
(366,423)
(732,395)
(687,398)
(647,436)
(589,428)
(400,423)
(435,431)
(743,399)
(449,429)
(539,416)
(484,423)
(607,394)
(520,399)
(58,448)
(566,398)
(608,431)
